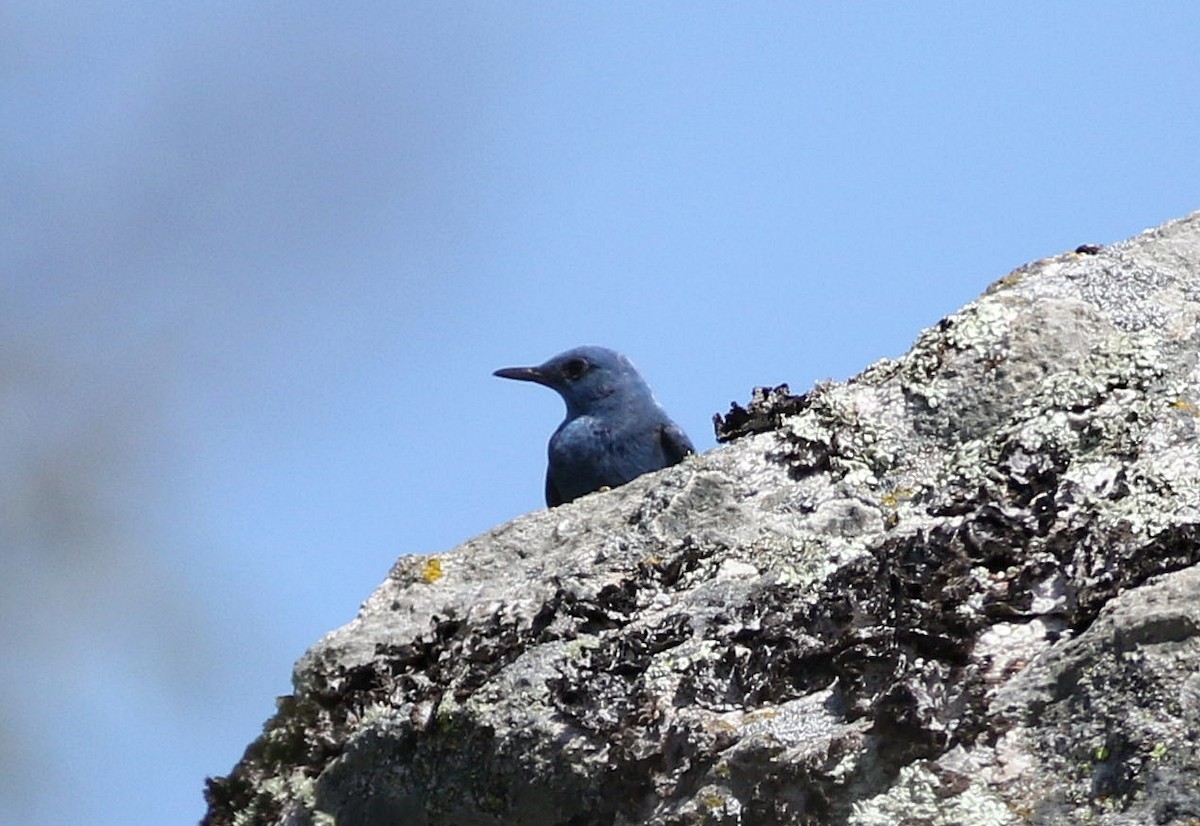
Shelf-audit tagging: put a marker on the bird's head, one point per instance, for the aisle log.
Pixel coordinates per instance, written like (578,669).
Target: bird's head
(588,378)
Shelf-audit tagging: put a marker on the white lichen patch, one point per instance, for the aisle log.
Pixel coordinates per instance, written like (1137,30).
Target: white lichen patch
(920,796)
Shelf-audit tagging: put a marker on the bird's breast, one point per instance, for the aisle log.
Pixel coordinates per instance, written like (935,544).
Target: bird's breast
(587,453)
(581,440)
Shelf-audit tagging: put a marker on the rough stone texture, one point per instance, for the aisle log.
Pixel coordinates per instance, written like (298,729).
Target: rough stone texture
(960,588)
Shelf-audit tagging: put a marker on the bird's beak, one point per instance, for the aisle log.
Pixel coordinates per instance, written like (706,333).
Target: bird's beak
(534,374)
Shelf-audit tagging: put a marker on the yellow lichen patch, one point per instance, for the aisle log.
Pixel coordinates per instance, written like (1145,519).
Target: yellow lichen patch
(1010,280)
(895,497)
(719,725)
(760,714)
(431,571)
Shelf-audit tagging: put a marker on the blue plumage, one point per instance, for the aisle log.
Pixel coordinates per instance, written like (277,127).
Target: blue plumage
(615,430)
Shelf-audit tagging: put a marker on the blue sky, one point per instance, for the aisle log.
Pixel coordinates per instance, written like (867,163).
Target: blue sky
(258,262)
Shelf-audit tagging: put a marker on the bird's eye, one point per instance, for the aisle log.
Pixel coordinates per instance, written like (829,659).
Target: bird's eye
(575,368)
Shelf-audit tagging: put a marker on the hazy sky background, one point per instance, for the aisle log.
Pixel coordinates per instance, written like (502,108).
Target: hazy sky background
(258,262)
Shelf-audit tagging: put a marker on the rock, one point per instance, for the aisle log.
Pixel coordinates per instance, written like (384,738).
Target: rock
(960,588)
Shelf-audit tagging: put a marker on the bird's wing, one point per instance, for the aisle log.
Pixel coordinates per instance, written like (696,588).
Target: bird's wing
(675,443)
(553,497)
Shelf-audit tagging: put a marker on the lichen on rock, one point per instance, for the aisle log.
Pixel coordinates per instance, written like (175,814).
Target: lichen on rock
(961,587)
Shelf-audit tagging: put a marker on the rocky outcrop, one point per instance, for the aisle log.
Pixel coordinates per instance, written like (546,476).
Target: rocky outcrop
(960,588)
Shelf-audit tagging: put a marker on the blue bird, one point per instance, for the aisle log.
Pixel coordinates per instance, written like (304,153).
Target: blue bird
(615,430)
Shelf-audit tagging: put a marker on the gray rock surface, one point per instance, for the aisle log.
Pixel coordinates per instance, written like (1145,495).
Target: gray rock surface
(961,588)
